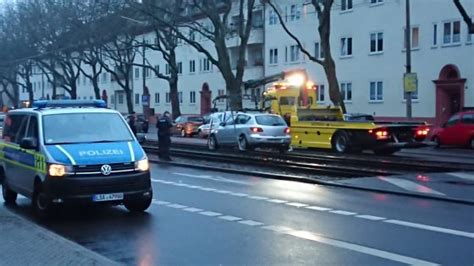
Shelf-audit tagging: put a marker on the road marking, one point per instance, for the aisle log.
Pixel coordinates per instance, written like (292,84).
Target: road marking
(370,217)
(461,175)
(343,212)
(431,228)
(191,209)
(223,191)
(177,206)
(251,223)
(358,248)
(229,218)
(410,185)
(208,213)
(306,235)
(296,204)
(277,228)
(277,201)
(317,208)
(258,198)
(208,177)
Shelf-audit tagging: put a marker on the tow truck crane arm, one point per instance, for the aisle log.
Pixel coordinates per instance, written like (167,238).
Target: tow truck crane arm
(253,83)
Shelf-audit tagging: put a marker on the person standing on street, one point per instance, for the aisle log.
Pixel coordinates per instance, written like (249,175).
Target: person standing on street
(132,122)
(164,126)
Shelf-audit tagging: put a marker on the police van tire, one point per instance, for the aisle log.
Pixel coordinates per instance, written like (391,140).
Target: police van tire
(340,142)
(9,196)
(138,205)
(42,205)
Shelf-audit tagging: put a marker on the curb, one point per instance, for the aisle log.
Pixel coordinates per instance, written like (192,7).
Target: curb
(313,181)
(98,258)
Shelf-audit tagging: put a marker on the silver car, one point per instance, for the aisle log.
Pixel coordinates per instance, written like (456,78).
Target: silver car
(250,131)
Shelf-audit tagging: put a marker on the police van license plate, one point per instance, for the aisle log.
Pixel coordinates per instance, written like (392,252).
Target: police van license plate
(107,197)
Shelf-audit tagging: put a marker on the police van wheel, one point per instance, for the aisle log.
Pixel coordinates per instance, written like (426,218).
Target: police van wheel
(42,205)
(9,196)
(138,205)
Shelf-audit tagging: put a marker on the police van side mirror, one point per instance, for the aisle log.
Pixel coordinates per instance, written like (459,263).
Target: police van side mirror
(141,138)
(29,143)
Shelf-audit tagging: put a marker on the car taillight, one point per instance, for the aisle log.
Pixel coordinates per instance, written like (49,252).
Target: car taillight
(256,129)
(379,133)
(287,130)
(422,132)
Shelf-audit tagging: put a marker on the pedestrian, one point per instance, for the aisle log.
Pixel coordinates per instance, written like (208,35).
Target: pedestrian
(132,122)
(164,126)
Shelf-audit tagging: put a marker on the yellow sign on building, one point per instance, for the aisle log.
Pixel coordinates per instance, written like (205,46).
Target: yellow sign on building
(410,82)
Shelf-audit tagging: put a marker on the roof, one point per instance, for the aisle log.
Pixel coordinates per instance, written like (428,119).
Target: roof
(68,110)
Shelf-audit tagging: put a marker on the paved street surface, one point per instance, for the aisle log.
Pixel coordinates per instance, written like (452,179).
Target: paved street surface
(200,217)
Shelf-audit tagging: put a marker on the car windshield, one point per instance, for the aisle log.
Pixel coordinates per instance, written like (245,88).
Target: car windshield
(85,128)
(270,120)
(195,119)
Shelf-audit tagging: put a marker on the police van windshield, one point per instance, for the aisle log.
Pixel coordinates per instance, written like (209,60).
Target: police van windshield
(85,128)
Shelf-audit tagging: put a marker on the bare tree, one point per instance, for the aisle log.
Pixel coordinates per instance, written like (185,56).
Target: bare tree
(465,16)
(323,10)
(211,19)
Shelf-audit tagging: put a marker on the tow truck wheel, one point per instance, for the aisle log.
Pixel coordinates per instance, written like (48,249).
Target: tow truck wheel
(212,143)
(138,205)
(9,196)
(341,142)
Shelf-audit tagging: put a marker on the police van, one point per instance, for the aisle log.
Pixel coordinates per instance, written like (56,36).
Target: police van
(59,152)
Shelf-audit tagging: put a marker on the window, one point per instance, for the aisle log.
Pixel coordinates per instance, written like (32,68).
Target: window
(157,70)
(220,93)
(180,68)
(120,98)
(137,72)
(192,97)
(468,119)
(167,69)
(273,56)
(414,38)
(435,34)
(452,32)
(294,13)
(104,78)
(346,5)
(14,128)
(180,97)
(375,2)
(273,18)
(243,119)
(320,93)
(168,100)
(346,46)
(294,53)
(346,91)
(192,66)
(157,97)
(376,91)
(453,120)
(318,51)
(376,42)
(206,65)
(147,72)
(137,98)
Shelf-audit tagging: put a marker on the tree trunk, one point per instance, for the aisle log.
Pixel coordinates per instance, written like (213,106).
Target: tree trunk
(174,97)
(128,95)
(235,94)
(333,83)
(95,84)
(73,91)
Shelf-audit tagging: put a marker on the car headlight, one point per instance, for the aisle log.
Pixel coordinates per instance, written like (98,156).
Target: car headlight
(57,170)
(142,165)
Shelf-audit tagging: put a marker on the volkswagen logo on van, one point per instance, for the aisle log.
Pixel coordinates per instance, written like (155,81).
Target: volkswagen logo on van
(106,169)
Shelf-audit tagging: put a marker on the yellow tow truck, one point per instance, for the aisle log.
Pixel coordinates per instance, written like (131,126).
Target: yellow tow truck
(314,126)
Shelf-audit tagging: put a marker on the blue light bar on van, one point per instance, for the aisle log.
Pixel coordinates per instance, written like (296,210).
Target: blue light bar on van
(69,103)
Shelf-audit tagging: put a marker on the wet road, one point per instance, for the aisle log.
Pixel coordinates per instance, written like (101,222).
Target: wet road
(201,217)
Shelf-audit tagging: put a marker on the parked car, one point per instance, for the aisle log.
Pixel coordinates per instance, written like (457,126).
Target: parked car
(187,125)
(250,131)
(458,131)
(142,123)
(213,120)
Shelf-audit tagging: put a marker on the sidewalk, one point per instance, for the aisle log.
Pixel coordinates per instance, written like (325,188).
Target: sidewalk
(25,243)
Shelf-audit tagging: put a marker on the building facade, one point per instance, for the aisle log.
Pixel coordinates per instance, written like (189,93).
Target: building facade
(367,43)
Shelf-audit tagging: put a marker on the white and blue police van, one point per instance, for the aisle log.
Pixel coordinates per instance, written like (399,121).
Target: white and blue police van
(65,151)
